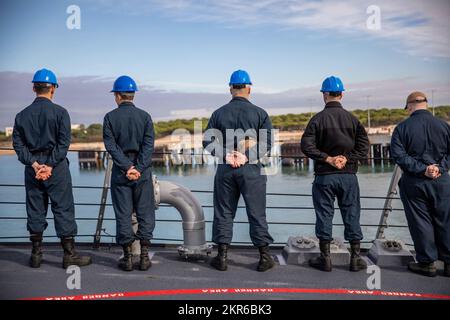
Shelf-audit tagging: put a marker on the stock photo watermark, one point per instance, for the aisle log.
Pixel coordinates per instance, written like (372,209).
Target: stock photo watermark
(74,280)
(73,21)
(373,22)
(374,280)
(234,147)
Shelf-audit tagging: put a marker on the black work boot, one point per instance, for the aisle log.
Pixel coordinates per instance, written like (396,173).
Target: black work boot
(70,255)
(220,261)
(423,268)
(446,269)
(145,263)
(265,261)
(356,262)
(322,262)
(36,251)
(126,263)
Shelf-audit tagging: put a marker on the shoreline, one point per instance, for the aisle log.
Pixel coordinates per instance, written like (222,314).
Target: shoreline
(171,140)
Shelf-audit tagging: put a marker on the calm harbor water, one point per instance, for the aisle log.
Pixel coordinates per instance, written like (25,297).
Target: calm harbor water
(374,181)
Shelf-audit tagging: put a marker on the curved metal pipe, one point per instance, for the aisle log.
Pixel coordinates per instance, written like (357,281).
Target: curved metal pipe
(191,213)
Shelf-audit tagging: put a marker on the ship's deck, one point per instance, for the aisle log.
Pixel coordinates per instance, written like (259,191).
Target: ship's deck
(172,277)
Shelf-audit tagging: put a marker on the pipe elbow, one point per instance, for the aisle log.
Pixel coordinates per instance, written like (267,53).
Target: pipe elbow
(191,213)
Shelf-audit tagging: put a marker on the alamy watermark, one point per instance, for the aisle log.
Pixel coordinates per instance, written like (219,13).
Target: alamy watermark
(374,280)
(373,22)
(73,21)
(251,146)
(74,280)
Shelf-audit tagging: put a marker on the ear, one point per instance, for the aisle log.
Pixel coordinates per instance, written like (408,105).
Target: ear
(34,89)
(249,89)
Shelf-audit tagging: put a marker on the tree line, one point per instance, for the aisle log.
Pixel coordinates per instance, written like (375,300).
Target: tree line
(286,122)
(292,122)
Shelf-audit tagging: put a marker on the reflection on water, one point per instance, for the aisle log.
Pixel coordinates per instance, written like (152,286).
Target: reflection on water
(374,181)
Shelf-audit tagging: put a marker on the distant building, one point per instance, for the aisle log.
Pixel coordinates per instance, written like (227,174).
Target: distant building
(75,126)
(387,130)
(8,131)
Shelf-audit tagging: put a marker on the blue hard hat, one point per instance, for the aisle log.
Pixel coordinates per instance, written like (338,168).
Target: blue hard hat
(45,76)
(124,84)
(240,77)
(332,84)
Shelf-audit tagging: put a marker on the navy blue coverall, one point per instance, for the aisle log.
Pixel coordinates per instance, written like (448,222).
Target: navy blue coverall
(229,182)
(129,137)
(42,134)
(332,132)
(418,142)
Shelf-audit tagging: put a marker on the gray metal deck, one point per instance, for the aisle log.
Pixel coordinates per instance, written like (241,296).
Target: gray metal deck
(171,272)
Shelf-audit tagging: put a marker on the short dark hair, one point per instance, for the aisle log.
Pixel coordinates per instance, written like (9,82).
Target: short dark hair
(238,86)
(126,95)
(335,94)
(42,88)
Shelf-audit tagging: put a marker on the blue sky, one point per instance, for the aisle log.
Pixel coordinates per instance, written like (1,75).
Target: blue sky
(191,47)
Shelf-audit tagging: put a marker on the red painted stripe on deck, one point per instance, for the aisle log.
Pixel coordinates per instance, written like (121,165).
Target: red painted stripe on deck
(132,294)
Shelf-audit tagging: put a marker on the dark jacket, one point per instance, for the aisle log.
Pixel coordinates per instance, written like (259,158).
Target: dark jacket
(419,141)
(42,133)
(240,114)
(129,130)
(332,132)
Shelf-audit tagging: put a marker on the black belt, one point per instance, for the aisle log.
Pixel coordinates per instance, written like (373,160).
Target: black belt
(131,154)
(41,153)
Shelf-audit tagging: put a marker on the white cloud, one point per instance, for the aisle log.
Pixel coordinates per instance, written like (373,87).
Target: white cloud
(418,27)
(184,86)
(190,113)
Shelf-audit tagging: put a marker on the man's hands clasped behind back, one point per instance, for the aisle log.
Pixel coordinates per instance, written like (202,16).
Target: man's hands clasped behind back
(433,172)
(236,159)
(338,162)
(133,174)
(43,172)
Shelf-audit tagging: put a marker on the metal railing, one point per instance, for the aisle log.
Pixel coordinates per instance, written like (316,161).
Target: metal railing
(191,153)
(100,232)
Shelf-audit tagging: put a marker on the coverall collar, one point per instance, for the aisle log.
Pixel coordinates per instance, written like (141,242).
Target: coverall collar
(421,111)
(333,104)
(240,99)
(126,103)
(42,99)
